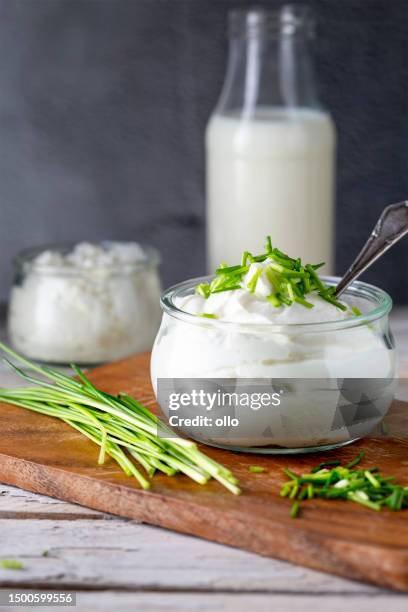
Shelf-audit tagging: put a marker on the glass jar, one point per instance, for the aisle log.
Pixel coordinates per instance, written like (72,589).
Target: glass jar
(94,311)
(328,383)
(270,144)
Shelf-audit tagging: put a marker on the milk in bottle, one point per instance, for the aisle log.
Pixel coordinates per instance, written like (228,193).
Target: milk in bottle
(270,145)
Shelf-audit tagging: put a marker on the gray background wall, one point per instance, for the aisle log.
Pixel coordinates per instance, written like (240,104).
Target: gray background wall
(103,106)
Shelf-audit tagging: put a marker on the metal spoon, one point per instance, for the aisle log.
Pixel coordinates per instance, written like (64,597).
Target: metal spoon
(390,227)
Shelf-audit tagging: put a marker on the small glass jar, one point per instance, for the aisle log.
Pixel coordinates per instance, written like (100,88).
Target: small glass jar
(332,382)
(87,314)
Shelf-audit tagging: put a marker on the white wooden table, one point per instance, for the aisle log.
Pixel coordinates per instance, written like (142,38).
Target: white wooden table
(115,564)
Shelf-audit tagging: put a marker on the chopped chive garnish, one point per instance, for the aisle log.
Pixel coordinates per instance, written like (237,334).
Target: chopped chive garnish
(302,494)
(285,489)
(274,300)
(294,491)
(360,486)
(232,270)
(372,479)
(291,474)
(290,280)
(355,460)
(315,278)
(326,295)
(304,302)
(284,299)
(397,498)
(216,283)
(356,311)
(207,315)
(256,469)
(254,280)
(273,278)
(283,255)
(357,497)
(334,462)
(11,564)
(230,288)
(294,512)
(204,290)
(293,273)
(290,292)
(276,267)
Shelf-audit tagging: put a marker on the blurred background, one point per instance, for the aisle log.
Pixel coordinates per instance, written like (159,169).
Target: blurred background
(103,106)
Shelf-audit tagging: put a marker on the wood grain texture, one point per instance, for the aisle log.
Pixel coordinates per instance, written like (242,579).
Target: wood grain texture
(340,538)
(120,554)
(22,505)
(238,602)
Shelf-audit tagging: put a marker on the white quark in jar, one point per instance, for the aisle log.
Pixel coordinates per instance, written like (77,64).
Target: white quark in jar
(310,354)
(270,352)
(93,303)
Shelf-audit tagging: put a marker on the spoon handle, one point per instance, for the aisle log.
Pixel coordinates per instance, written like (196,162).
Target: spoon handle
(390,227)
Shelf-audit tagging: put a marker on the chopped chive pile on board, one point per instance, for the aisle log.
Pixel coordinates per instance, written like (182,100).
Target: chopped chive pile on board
(331,480)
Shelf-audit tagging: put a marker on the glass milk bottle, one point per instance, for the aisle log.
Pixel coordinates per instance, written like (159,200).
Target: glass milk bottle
(270,144)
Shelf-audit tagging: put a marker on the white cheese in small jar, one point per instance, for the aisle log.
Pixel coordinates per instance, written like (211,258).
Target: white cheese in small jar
(250,331)
(85,303)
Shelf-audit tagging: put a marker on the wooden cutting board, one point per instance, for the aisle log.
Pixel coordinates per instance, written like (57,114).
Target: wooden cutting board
(41,454)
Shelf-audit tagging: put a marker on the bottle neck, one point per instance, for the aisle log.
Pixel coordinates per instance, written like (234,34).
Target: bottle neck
(270,64)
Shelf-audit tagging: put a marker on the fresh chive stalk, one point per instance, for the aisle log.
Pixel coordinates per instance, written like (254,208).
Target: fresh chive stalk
(331,480)
(120,425)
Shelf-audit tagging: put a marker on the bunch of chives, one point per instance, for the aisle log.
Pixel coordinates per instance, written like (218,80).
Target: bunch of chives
(331,480)
(121,426)
(291,281)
